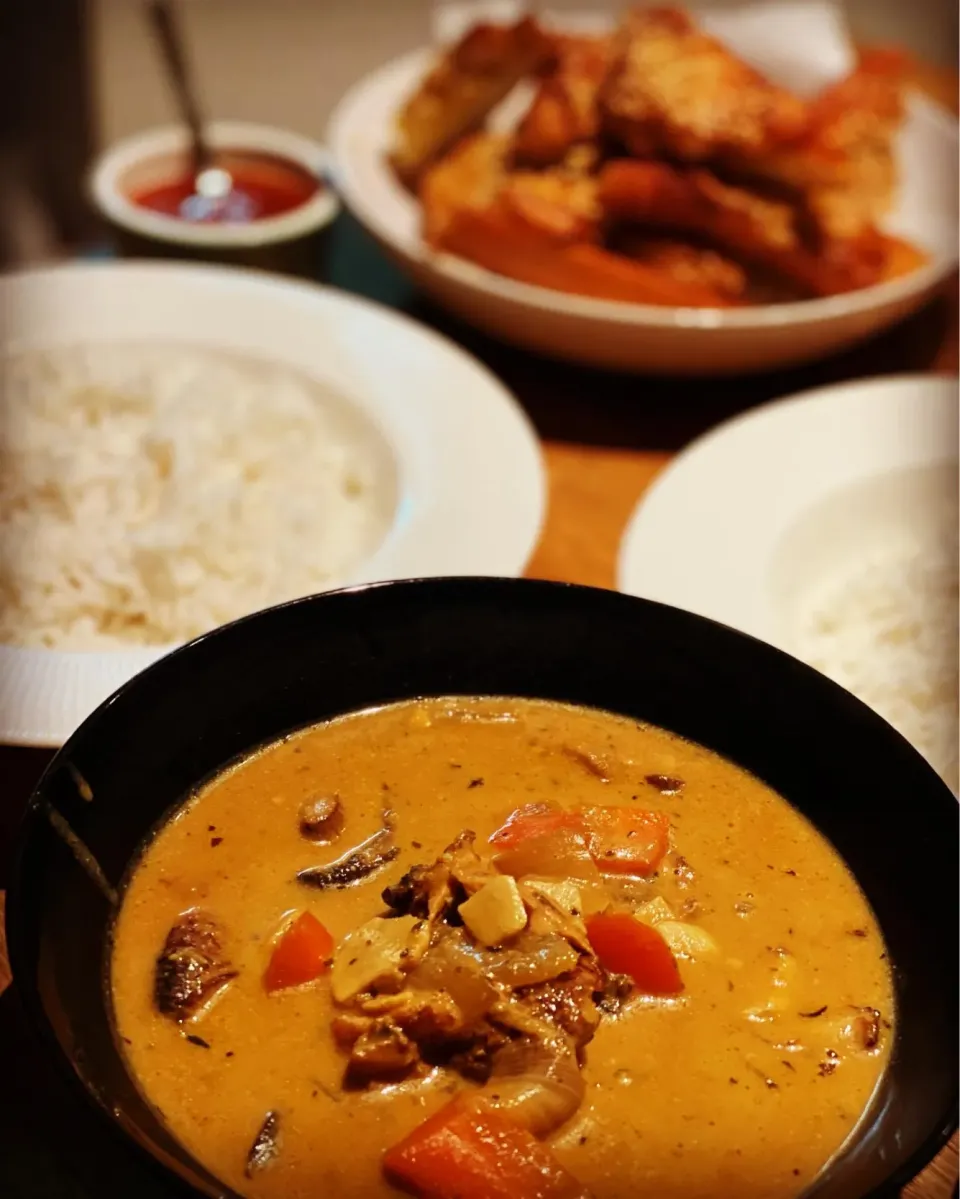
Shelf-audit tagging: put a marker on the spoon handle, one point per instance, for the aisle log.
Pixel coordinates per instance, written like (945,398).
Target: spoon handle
(165,27)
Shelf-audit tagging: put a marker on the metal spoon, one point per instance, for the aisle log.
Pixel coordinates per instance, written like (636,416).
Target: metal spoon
(214,195)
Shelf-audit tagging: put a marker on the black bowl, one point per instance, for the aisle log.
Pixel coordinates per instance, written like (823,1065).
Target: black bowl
(183,719)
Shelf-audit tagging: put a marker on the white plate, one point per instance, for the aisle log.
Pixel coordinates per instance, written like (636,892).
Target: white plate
(640,337)
(470,483)
(760,519)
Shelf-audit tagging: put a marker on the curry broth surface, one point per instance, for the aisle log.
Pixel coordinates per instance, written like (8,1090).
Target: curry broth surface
(687,1097)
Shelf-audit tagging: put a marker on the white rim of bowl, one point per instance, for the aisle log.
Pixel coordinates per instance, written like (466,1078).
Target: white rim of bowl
(110,167)
(460,270)
(896,390)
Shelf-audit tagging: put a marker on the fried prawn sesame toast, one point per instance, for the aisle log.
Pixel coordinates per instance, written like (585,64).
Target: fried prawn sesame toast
(561,201)
(845,165)
(685,262)
(471,175)
(858,113)
(458,93)
(514,239)
(857,123)
(675,90)
(555,202)
(760,231)
(565,108)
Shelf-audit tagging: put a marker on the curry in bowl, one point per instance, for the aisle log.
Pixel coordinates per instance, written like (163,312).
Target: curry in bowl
(473,947)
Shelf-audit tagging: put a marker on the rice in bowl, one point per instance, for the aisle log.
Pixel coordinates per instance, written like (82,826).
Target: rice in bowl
(886,629)
(151,493)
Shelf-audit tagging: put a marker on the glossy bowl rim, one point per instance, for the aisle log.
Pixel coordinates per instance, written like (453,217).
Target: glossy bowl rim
(588,596)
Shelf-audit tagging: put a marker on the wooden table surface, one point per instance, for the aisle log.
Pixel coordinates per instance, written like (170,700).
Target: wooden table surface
(605,437)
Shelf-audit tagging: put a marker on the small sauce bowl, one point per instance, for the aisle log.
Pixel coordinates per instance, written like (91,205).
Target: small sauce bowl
(140,184)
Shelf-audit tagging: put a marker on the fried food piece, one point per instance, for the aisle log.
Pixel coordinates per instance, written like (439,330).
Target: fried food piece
(565,109)
(675,90)
(761,231)
(857,115)
(470,176)
(556,203)
(503,239)
(901,258)
(456,96)
(561,203)
(845,166)
(857,122)
(656,194)
(582,159)
(686,263)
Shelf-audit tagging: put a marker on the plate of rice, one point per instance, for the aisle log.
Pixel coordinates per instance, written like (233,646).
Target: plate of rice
(184,445)
(827,525)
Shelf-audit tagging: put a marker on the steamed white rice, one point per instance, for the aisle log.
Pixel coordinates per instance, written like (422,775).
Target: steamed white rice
(148,494)
(886,629)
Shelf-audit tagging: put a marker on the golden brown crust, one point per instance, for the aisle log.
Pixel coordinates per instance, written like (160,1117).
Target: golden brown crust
(470,176)
(503,239)
(687,264)
(458,93)
(766,233)
(562,203)
(565,110)
(844,167)
(678,91)
(557,203)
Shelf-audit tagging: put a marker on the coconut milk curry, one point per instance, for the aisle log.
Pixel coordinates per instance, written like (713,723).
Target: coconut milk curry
(473,948)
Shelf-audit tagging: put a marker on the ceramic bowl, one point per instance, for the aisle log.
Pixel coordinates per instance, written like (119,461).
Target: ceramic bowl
(198,709)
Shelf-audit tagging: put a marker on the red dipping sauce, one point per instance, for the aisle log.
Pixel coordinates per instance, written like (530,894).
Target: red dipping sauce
(265,186)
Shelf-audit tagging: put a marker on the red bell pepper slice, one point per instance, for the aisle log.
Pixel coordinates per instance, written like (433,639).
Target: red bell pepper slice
(301,954)
(625,945)
(627,840)
(621,840)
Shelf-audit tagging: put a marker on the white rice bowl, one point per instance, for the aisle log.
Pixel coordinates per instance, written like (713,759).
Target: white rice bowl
(184,445)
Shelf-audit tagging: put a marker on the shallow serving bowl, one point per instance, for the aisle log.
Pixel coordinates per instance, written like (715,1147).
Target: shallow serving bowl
(642,337)
(201,707)
(886,460)
(459,477)
(778,540)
